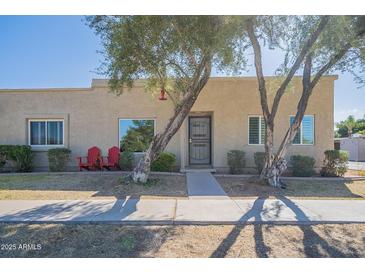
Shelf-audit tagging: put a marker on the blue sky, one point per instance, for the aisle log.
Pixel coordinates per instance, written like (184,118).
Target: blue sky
(61,51)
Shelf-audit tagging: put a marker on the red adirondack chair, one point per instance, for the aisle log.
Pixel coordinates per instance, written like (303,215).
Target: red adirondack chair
(92,160)
(112,160)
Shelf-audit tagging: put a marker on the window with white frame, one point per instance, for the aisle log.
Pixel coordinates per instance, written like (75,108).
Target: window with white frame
(46,132)
(256,130)
(305,134)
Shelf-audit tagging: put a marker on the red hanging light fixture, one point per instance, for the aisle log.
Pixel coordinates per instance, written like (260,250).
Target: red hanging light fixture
(162,95)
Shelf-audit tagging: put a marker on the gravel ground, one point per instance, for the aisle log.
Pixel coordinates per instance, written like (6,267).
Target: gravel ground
(88,186)
(330,240)
(306,189)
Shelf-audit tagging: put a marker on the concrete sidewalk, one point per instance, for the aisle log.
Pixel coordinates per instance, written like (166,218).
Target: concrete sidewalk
(202,185)
(196,211)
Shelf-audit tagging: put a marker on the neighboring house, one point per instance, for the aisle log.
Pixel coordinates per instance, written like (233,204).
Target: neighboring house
(355,146)
(227,115)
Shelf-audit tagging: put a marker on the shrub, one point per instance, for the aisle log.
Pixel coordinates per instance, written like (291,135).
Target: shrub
(23,157)
(236,161)
(20,155)
(4,155)
(260,160)
(2,160)
(335,163)
(164,162)
(303,166)
(58,158)
(126,160)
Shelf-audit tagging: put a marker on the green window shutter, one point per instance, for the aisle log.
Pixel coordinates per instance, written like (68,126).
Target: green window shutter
(296,139)
(308,130)
(263,131)
(253,130)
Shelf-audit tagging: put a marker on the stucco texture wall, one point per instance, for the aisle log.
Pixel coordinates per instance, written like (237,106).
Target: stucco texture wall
(91,117)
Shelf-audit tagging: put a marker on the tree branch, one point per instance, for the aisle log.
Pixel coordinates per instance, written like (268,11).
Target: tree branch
(171,62)
(185,49)
(306,48)
(335,58)
(308,86)
(302,106)
(258,65)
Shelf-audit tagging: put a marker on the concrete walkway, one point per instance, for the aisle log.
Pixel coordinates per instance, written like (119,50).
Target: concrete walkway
(356,165)
(202,185)
(193,211)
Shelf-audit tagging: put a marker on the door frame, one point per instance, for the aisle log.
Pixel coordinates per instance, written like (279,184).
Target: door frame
(210,138)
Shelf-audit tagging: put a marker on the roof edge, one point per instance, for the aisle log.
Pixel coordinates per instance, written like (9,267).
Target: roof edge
(102,83)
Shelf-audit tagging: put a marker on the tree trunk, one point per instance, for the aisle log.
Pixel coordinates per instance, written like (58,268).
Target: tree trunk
(160,141)
(272,168)
(349,133)
(276,166)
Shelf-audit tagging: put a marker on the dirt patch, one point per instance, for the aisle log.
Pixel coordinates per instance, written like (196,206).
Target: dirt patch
(354,173)
(88,186)
(332,240)
(311,188)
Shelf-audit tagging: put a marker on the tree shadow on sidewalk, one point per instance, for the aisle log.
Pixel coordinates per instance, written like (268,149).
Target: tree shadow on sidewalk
(74,211)
(255,213)
(313,244)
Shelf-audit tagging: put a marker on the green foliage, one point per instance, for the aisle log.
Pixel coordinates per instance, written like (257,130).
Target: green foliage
(150,183)
(167,50)
(126,160)
(335,163)
(2,157)
(357,126)
(236,161)
(303,166)
(20,155)
(58,159)
(127,242)
(2,162)
(289,33)
(260,160)
(138,136)
(165,162)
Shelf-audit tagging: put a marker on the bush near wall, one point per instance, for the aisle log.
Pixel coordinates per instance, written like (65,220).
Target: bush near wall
(335,163)
(303,166)
(58,159)
(259,160)
(21,156)
(236,161)
(126,160)
(2,160)
(165,162)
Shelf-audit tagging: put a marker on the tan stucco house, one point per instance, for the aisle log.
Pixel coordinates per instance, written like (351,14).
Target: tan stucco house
(226,116)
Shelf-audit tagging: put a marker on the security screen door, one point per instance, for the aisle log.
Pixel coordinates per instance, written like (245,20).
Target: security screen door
(200,140)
